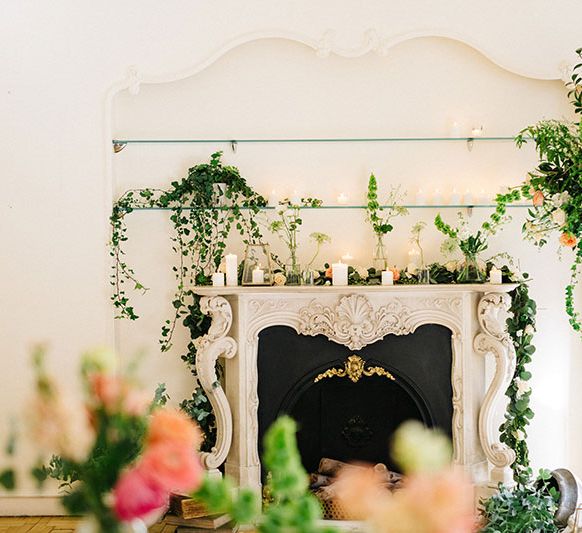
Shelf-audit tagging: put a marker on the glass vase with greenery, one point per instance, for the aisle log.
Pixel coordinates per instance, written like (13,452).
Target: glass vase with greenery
(470,244)
(286,227)
(379,216)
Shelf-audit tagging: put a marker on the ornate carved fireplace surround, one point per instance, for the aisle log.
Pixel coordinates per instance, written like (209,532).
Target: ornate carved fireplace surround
(356,317)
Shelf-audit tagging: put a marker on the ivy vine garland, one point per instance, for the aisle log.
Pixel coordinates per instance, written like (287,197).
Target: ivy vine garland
(200,233)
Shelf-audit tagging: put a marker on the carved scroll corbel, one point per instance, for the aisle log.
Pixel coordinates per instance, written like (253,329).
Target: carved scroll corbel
(492,314)
(209,348)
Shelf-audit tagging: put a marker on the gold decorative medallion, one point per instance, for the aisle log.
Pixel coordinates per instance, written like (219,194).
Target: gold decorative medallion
(354,370)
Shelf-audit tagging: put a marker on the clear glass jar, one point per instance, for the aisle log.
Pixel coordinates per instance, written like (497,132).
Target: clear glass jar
(293,271)
(471,271)
(379,257)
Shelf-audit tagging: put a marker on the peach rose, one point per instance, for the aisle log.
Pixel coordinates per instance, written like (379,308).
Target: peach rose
(173,466)
(329,272)
(173,426)
(568,240)
(108,389)
(538,198)
(396,273)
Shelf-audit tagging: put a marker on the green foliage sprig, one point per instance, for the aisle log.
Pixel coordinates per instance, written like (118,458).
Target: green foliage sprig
(292,507)
(379,216)
(524,508)
(555,186)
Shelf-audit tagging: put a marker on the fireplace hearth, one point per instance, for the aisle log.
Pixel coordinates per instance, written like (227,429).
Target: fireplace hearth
(413,351)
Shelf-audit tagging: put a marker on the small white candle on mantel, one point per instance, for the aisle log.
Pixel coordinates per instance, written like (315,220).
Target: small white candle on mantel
(218,279)
(455,197)
(387,277)
(342,198)
(347,258)
(495,276)
(258,276)
(231,261)
(339,274)
(420,197)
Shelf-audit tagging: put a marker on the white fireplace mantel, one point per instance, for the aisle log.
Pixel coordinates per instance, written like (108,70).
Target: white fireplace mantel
(356,316)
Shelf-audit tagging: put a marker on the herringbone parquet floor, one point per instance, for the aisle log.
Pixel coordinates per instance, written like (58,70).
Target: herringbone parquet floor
(55,524)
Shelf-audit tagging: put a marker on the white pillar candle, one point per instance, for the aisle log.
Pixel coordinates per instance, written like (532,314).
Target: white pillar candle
(387,277)
(420,197)
(258,276)
(468,198)
(339,274)
(347,258)
(231,270)
(455,130)
(218,279)
(342,198)
(455,197)
(437,197)
(495,276)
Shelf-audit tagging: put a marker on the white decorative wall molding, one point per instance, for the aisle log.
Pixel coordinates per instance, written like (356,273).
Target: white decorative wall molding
(356,317)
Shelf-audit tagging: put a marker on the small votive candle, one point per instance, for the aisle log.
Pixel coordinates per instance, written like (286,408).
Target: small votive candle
(258,276)
(455,197)
(273,199)
(339,274)
(231,261)
(437,197)
(495,276)
(342,198)
(420,197)
(468,198)
(484,198)
(455,130)
(218,279)
(387,277)
(347,258)
(477,132)
(296,198)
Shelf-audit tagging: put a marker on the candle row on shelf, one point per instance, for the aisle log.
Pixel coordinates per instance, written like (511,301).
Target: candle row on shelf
(421,197)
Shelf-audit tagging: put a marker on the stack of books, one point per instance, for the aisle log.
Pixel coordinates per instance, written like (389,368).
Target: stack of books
(191,516)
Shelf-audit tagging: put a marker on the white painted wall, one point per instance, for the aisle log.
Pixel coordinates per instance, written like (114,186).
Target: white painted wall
(58,61)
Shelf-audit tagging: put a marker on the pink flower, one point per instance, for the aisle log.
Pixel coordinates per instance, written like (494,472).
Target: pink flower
(108,389)
(169,425)
(172,466)
(538,198)
(395,273)
(136,496)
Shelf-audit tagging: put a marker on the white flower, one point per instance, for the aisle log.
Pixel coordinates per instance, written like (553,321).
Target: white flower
(315,274)
(519,333)
(519,434)
(279,278)
(452,266)
(522,386)
(362,272)
(559,217)
(411,269)
(560,199)
(529,330)
(464,234)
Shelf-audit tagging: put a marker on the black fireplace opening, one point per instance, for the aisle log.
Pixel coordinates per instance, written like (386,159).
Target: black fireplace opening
(348,403)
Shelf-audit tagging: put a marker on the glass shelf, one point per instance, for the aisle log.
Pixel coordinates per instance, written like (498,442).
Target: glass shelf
(123,142)
(271,208)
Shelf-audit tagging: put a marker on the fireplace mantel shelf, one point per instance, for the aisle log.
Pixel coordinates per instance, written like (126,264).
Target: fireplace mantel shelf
(368,289)
(356,316)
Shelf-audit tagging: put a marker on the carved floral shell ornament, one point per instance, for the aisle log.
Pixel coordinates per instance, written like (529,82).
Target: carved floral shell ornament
(353,322)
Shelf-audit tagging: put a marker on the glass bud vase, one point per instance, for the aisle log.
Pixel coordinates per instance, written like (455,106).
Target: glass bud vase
(293,271)
(470,271)
(379,257)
